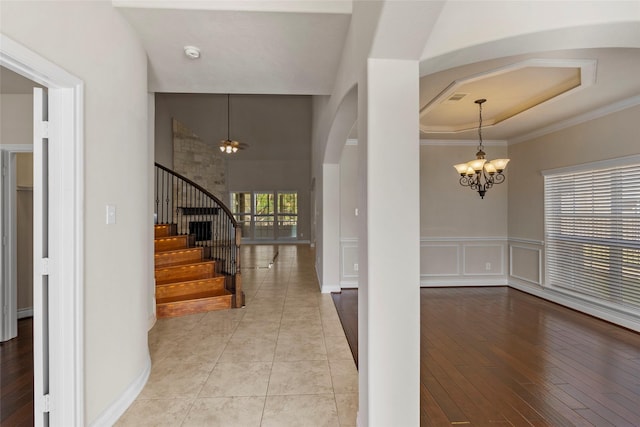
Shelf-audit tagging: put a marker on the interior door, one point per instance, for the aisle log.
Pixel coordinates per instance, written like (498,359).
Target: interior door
(40,254)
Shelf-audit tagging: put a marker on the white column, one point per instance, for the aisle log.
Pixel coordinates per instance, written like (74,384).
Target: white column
(389,305)
(330,228)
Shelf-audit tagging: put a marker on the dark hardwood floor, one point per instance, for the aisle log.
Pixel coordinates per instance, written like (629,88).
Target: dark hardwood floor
(499,356)
(16,377)
(347,305)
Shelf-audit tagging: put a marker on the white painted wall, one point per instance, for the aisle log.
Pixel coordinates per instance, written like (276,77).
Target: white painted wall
(92,41)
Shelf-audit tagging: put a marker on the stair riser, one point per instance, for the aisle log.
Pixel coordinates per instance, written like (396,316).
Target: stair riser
(186,288)
(171,243)
(163,230)
(185,273)
(194,306)
(191,254)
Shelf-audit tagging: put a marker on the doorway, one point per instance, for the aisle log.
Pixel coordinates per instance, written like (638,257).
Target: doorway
(58,258)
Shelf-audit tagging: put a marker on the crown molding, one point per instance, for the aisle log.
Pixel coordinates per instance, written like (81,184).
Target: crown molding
(463,142)
(582,118)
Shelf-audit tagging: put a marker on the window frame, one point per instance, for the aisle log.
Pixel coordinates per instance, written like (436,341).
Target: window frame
(276,215)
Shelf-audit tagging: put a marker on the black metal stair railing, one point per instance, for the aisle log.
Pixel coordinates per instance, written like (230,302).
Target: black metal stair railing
(197,212)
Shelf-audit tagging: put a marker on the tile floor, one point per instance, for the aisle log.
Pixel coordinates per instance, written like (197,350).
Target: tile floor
(286,346)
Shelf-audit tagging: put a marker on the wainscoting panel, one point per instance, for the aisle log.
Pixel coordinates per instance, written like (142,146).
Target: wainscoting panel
(526,261)
(463,261)
(483,259)
(440,260)
(455,261)
(349,262)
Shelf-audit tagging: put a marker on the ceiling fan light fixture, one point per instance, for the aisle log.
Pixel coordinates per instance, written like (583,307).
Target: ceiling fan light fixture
(228,146)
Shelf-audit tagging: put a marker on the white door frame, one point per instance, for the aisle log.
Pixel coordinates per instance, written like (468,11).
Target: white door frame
(8,249)
(66,247)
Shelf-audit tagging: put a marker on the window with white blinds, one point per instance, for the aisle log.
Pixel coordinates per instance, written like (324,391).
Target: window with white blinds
(592,231)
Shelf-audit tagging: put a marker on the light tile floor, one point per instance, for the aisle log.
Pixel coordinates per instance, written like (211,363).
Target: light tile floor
(283,360)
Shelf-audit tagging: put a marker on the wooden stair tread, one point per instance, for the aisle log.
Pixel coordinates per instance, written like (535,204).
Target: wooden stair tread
(193,297)
(194,281)
(178,256)
(173,237)
(185,272)
(185,264)
(165,290)
(180,264)
(177,251)
(175,242)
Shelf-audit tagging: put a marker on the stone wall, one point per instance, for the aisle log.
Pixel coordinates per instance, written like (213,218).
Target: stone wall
(200,161)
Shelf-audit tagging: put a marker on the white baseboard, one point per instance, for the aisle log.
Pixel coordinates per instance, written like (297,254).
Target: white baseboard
(111,414)
(25,312)
(349,284)
(457,282)
(327,289)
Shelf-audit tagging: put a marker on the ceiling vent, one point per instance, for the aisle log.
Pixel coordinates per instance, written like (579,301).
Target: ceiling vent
(456,97)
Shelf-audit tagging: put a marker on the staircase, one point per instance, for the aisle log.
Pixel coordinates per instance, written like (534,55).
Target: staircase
(186,283)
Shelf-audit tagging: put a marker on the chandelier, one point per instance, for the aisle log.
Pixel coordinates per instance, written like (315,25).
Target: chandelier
(480,174)
(227,145)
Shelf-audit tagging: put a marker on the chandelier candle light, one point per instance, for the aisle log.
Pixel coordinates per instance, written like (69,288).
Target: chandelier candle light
(480,174)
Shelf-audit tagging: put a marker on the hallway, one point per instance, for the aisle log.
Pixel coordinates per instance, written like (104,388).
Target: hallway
(283,360)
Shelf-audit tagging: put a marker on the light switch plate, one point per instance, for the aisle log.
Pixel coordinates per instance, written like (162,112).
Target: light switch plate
(111,214)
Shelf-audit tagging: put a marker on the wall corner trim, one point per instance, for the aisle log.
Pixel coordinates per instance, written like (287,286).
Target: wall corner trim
(111,414)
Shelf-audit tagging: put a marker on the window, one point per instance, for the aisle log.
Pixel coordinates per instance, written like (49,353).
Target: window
(592,228)
(287,215)
(266,215)
(241,209)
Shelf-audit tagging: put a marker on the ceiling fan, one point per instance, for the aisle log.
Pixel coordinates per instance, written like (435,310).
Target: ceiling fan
(228,145)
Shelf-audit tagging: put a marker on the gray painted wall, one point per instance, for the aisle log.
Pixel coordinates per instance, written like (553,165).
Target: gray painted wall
(277,129)
(608,137)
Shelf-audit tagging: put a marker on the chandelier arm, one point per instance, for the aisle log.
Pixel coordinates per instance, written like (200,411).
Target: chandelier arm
(465,181)
(498,178)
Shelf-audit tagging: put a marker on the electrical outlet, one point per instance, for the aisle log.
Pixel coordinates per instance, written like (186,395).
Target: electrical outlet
(487,266)
(355,267)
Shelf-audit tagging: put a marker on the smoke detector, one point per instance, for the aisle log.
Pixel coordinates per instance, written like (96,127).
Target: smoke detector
(192,52)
